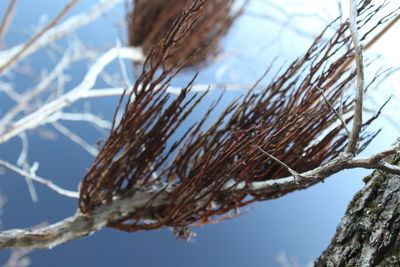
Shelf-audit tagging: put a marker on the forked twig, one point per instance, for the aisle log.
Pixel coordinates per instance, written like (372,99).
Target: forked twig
(339,116)
(295,174)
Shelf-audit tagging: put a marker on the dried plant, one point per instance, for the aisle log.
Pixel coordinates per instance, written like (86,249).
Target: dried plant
(150,21)
(292,119)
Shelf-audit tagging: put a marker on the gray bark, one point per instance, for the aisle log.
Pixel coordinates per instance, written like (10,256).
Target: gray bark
(80,225)
(368,234)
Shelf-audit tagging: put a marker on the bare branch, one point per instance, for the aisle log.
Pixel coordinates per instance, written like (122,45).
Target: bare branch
(76,139)
(295,174)
(68,26)
(105,92)
(383,31)
(40,180)
(7,19)
(18,258)
(81,225)
(34,119)
(35,38)
(339,116)
(88,117)
(359,98)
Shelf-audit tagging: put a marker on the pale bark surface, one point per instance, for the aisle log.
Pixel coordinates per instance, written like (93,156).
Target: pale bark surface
(368,234)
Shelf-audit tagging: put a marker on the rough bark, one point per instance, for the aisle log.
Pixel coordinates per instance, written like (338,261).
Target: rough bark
(368,234)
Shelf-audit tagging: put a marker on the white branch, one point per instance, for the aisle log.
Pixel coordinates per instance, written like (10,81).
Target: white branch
(40,180)
(76,139)
(36,118)
(88,117)
(106,92)
(22,161)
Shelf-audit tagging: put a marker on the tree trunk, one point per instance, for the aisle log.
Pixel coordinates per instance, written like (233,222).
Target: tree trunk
(368,234)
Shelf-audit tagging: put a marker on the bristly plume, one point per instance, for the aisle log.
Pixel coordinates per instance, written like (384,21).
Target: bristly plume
(150,21)
(292,119)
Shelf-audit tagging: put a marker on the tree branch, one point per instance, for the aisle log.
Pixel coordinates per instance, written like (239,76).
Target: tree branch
(7,19)
(359,99)
(35,38)
(34,119)
(40,180)
(81,225)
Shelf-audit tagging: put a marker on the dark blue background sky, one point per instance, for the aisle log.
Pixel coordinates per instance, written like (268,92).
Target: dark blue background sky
(301,223)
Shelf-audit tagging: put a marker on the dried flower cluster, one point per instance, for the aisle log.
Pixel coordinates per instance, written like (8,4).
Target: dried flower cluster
(150,21)
(295,119)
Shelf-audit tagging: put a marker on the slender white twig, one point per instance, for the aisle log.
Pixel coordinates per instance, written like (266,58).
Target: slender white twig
(358,101)
(40,180)
(88,117)
(76,139)
(22,161)
(105,92)
(295,174)
(339,116)
(23,155)
(378,157)
(9,91)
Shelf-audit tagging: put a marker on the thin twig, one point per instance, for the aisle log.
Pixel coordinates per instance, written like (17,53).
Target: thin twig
(339,116)
(76,139)
(7,19)
(22,161)
(105,92)
(65,61)
(295,174)
(67,27)
(34,119)
(358,101)
(87,117)
(40,180)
